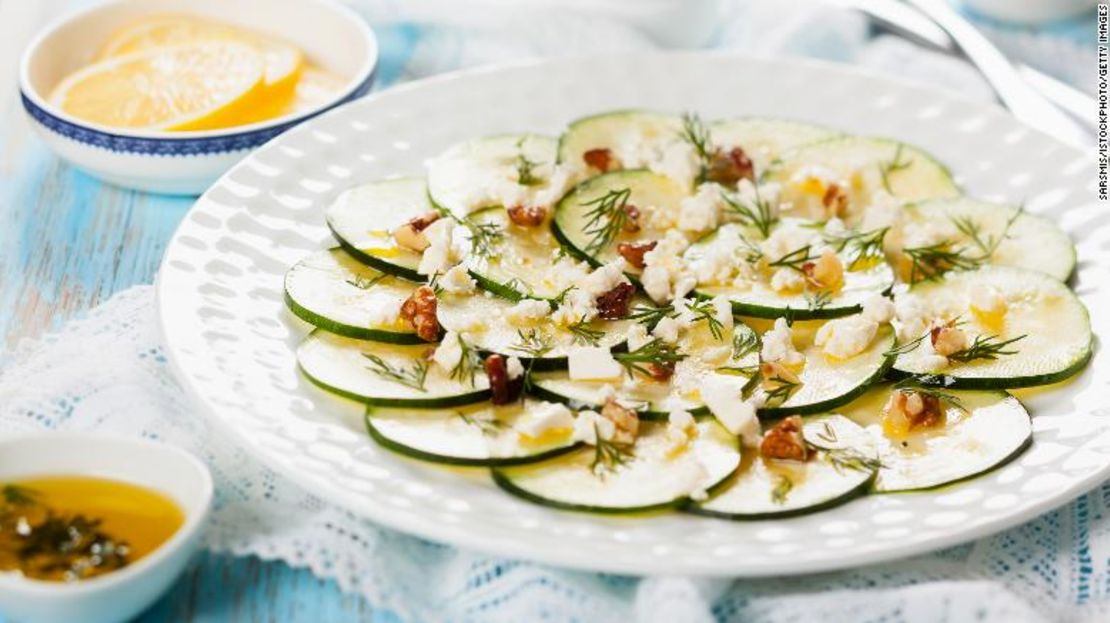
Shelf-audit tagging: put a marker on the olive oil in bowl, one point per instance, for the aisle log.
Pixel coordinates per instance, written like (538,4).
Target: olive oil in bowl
(69,528)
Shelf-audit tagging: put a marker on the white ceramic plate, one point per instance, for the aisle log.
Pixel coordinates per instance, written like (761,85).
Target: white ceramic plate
(220,302)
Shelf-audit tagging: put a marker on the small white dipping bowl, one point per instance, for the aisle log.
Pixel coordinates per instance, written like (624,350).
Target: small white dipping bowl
(122,594)
(329,33)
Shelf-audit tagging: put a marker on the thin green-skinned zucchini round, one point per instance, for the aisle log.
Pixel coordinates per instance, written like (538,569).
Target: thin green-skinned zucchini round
(363,218)
(344,366)
(1057,343)
(474,435)
(771,489)
(764,139)
(983,430)
(332,291)
(648,480)
(471,169)
(611,130)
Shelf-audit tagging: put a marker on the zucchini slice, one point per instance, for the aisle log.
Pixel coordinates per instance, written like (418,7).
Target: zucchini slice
(764,139)
(825,382)
(1023,240)
(755,297)
(654,476)
(493,171)
(363,218)
(987,430)
(620,131)
(332,291)
(1056,328)
(865,165)
(479,434)
(387,375)
(840,470)
(653,400)
(485,322)
(522,263)
(575,225)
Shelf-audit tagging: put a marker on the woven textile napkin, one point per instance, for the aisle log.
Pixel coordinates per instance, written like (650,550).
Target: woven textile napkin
(1054,568)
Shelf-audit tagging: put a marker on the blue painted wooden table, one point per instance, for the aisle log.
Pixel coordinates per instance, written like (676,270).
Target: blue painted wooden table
(67,242)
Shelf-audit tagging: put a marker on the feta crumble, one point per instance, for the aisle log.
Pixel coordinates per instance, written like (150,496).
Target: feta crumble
(526,311)
(778,345)
(457,281)
(514,368)
(592,363)
(700,211)
(544,418)
(846,337)
(385,311)
(449,352)
(589,426)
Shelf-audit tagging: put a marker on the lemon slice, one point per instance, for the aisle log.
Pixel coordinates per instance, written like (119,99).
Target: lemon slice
(283,60)
(195,87)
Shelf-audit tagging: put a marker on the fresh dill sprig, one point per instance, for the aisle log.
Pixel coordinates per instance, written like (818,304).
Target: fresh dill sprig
(696,134)
(413,377)
(648,315)
(783,485)
(908,347)
(793,260)
(525,174)
(484,237)
(847,459)
(827,433)
(974,232)
(704,310)
(918,384)
(469,363)
(758,214)
(490,426)
(654,353)
(782,391)
(561,297)
(985,347)
(818,300)
(533,343)
(895,164)
(865,247)
(744,343)
(608,455)
(362,282)
(606,218)
(582,333)
(752,253)
(932,261)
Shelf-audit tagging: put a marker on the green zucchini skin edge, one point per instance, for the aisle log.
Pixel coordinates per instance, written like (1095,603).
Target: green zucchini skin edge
(647,414)
(859,491)
(377,263)
(824,406)
(771,313)
(506,484)
(346,330)
(1017,382)
(431,457)
(457,400)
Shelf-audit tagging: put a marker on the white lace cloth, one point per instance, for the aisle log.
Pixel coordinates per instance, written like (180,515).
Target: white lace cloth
(107,372)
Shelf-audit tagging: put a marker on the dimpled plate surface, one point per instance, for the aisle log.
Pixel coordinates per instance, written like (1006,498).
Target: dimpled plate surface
(232,343)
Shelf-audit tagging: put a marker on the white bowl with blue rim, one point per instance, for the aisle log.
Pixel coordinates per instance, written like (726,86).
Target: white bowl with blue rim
(329,33)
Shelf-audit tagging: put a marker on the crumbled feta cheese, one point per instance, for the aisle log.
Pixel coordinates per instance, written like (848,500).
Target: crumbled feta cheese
(878,308)
(449,352)
(885,210)
(778,345)
(714,267)
(722,311)
(589,426)
(926,234)
(545,417)
(664,266)
(912,316)
(682,420)
(716,355)
(637,336)
(738,416)
(679,162)
(457,281)
(514,368)
(681,428)
(592,363)
(692,475)
(787,280)
(786,239)
(437,257)
(699,212)
(657,282)
(683,285)
(605,278)
(667,329)
(385,311)
(557,181)
(987,301)
(846,337)
(527,310)
(814,180)
(567,273)
(578,306)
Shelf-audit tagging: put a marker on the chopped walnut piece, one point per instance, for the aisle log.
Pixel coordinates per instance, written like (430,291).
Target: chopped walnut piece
(625,421)
(827,273)
(419,310)
(661,371)
(523,216)
(503,390)
(601,159)
(411,234)
(774,374)
(835,201)
(908,409)
(947,340)
(785,441)
(613,305)
(634,252)
(632,223)
(729,167)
